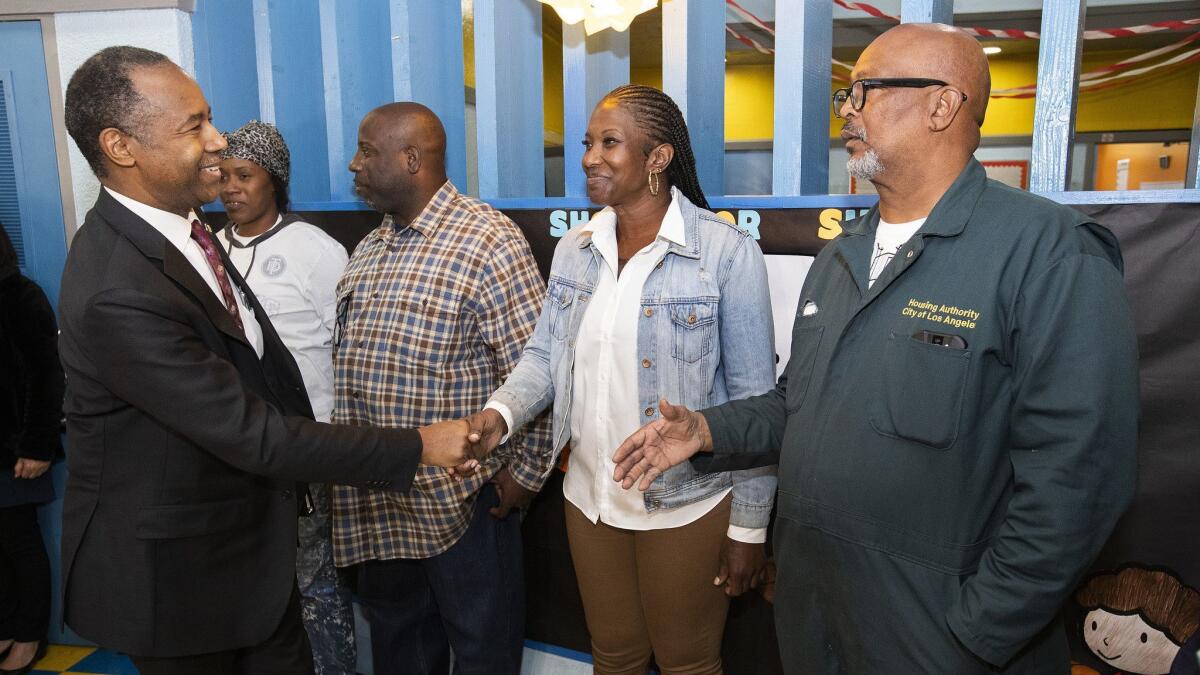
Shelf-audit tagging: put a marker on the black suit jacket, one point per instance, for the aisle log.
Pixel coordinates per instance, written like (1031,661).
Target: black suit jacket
(184,449)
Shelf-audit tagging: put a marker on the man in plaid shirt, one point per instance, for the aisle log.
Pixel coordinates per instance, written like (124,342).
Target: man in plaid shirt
(434,309)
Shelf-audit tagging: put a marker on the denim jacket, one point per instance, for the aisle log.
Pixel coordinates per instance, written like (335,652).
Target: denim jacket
(705,328)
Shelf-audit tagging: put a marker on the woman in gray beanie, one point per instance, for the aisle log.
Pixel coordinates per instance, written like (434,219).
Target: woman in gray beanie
(293,267)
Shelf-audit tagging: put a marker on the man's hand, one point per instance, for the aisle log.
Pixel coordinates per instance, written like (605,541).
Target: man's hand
(445,444)
(743,566)
(487,428)
(660,445)
(512,494)
(30,468)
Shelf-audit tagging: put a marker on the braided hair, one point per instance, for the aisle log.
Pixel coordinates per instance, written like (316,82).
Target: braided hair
(661,121)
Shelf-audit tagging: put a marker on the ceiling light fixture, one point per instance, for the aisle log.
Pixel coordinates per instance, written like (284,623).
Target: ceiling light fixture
(598,15)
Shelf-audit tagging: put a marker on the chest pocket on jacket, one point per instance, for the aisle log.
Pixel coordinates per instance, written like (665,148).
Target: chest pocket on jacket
(806,340)
(559,298)
(922,392)
(694,325)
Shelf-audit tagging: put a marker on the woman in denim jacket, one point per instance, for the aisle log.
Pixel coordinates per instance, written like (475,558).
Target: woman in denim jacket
(656,297)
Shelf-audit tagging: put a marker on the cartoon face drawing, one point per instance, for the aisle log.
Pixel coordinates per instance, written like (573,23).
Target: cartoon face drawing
(1137,617)
(1129,643)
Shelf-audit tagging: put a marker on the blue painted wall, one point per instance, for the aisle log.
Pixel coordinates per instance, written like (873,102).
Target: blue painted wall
(23,66)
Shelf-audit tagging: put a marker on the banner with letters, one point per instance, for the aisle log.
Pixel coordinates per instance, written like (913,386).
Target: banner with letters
(1137,611)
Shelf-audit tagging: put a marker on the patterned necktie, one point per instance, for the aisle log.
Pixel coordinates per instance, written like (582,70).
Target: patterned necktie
(200,236)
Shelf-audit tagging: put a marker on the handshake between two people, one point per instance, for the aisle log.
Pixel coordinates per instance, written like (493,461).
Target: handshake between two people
(459,444)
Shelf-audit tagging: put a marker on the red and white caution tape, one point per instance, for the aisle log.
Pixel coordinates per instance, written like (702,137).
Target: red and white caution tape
(1145,56)
(750,42)
(1095,83)
(1014,34)
(1093,80)
(1094,34)
(750,17)
(869,9)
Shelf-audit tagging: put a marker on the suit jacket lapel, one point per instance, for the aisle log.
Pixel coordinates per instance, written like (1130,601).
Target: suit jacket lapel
(175,266)
(181,271)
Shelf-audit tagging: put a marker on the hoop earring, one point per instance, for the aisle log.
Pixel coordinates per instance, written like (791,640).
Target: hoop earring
(652,181)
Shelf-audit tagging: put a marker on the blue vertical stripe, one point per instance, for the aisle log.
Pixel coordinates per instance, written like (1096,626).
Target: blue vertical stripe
(803,47)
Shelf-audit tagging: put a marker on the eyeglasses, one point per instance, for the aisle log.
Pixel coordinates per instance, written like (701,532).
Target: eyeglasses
(856,93)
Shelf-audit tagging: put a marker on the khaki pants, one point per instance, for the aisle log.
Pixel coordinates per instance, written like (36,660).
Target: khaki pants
(652,591)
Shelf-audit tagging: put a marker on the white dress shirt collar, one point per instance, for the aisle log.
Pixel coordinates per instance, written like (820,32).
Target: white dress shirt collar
(603,225)
(178,232)
(176,229)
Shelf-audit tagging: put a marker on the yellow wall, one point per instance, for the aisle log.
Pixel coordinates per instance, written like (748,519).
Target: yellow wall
(1155,101)
(552,92)
(749,102)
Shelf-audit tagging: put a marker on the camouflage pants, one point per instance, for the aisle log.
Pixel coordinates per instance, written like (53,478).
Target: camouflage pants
(326,604)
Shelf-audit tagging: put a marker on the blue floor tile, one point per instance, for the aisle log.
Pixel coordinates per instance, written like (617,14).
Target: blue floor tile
(105,662)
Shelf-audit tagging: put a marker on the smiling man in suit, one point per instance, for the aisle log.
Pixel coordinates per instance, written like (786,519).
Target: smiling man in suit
(187,420)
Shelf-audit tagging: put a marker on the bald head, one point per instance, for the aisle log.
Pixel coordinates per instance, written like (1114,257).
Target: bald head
(936,51)
(411,124)
(401,160)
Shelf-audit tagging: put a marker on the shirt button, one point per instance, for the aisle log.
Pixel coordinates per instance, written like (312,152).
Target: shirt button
(691,318)
(650,412)
(356,394)
(908,255)
(375,294)
(646,363)
(362,343)
(220,269)
(658,266)
(648,312)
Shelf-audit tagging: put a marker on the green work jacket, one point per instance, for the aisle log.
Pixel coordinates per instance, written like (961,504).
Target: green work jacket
(955,443)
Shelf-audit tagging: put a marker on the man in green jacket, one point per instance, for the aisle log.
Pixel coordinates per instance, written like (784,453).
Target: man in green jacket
(956,427)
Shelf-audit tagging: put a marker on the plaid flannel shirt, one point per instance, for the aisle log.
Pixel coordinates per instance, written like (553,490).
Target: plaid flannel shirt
(431,319)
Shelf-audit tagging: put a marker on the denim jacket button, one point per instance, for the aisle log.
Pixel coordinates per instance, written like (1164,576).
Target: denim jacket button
(659,265)
(691,319)
(656,503)
(648,312)
(646,363)
(583,298)
(649,412)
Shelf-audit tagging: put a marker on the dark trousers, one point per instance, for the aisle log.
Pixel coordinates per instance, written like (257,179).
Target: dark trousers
(286,652)
(469,599)
(24,576)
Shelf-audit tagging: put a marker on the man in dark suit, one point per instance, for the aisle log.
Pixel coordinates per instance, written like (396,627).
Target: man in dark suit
(188,424)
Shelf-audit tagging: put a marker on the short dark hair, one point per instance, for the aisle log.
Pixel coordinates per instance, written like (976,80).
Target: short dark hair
(662,122)
(101,95)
